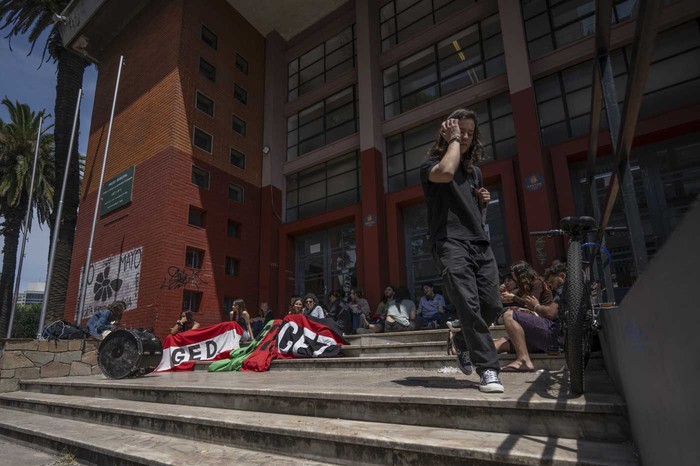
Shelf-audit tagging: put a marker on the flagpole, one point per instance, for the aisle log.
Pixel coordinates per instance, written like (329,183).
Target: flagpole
(59,215)
(27,219)
(83,288)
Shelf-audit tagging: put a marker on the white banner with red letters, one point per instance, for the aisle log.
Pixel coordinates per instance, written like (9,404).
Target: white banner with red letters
(182,351)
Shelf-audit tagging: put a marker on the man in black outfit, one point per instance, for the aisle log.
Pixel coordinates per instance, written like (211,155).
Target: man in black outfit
(456,201)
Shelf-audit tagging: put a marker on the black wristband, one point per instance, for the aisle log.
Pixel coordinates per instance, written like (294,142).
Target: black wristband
(454,139)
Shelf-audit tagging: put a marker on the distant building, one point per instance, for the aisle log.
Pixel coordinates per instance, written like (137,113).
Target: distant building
(34,294)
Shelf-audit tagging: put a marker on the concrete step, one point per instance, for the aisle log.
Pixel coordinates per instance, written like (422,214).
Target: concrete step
(540,361)
(106,444)
(315,438)
(425,348)
(533,404)
(497,331)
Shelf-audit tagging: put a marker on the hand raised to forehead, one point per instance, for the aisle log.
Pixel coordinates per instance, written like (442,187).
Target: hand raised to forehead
(450,129)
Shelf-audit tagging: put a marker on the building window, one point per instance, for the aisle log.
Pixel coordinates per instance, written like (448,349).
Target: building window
(207,70)
(202,140)
(240,94)
(237,159)
(205,104)
(194,258)
(550,24)
(233,229)
(564,98)
(324,187)
(232,266)
(235,193)
(406,151)
(191,300)
(321,64)
(209,38)
(322,123)
(241,64)
(459,61)
(400,19)
(196,216)
(238,125)
(200,177)
(227,306)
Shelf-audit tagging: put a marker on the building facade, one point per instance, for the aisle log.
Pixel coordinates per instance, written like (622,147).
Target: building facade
(272,160)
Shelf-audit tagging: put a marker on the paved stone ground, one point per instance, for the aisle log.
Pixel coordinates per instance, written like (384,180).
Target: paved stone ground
(14,454)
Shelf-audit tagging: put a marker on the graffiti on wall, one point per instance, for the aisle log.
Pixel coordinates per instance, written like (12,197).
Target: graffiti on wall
(176,278)
(111,279)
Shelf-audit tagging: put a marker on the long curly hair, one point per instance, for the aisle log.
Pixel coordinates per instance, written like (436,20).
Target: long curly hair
(524,275)
(475,153)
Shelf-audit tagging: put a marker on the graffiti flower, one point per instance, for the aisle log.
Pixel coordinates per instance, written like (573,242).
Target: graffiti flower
(104,286)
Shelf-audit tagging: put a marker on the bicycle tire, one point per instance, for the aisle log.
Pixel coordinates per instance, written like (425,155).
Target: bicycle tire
(574,313)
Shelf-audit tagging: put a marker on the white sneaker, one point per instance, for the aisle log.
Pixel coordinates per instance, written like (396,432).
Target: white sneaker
(490,383)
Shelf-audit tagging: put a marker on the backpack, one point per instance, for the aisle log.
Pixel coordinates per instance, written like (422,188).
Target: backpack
(63,330)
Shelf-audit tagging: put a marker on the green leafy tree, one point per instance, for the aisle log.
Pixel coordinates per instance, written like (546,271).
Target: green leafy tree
(17,139)
(33,18)
(26,321)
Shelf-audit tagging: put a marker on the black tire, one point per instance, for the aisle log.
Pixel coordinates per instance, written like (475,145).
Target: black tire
(575,315)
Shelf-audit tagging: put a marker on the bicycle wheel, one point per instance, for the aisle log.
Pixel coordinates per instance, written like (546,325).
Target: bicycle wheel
(574,313)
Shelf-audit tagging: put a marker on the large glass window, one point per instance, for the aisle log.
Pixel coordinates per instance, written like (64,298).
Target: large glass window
(326,261)
(550,24)
(322,63)
(419,261)
(458,61)
(406,151)
(322,123)
(323,187)
(666,178)
(564,98)
(401,19)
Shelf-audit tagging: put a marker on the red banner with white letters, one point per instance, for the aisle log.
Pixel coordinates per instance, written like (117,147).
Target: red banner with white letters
(183,350)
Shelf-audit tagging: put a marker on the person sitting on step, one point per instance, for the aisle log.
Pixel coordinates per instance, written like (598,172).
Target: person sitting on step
(312,308)
(339,311)
(240,314)
(185,323)
(431,308)
(106,320)
(296,305)
(401,313)
(531,321)
(359,307)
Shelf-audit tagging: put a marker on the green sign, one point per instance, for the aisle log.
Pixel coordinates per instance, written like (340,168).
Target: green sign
(117,191)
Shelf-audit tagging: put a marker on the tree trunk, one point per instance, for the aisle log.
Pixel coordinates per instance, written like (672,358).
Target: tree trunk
(11,231)
(71,68)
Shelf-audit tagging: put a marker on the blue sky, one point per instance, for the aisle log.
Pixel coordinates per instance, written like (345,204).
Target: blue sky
(21,79)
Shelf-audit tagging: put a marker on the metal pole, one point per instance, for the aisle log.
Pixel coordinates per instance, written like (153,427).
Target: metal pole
(59,215)
(27,219)
(86,269)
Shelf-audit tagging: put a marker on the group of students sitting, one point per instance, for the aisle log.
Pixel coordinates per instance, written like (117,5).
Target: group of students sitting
(395,312)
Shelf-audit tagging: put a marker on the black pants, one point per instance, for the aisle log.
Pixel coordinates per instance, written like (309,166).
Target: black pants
(470,278)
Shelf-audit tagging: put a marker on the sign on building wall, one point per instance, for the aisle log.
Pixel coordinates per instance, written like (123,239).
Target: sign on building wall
(117,192)
(111,279)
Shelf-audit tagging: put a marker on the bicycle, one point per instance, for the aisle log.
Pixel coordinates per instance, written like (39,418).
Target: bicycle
(580,311)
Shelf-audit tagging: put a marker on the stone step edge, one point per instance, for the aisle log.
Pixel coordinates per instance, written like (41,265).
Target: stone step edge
(590,407)
(408,357)
(440,344)
(394,435)
(92,438)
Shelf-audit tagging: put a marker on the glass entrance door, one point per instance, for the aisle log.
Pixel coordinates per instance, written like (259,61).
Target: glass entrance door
(326,261)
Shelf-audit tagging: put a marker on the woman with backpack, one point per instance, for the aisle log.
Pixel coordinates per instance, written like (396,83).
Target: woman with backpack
(106,320)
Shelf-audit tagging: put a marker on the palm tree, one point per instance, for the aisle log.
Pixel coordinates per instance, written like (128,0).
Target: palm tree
(17,139)
(20,17)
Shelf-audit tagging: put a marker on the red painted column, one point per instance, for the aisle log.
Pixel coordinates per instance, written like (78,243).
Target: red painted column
(373,223)
(538,204)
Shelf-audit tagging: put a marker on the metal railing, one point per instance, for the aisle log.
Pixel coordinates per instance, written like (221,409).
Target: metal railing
(621,124)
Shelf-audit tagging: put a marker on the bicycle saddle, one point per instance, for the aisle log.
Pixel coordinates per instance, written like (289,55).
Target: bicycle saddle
(580,224)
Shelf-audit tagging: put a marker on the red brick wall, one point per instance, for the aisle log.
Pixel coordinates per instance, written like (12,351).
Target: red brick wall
(152,131)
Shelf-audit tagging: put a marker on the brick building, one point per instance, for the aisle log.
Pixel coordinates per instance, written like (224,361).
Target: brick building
(276,145)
